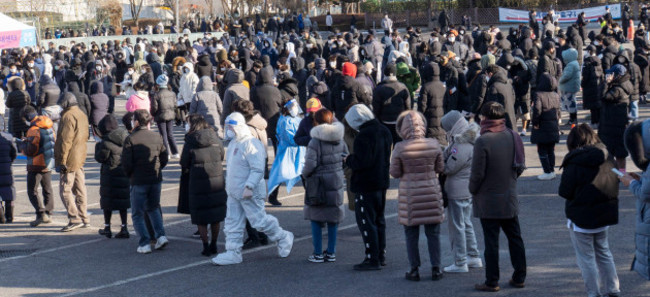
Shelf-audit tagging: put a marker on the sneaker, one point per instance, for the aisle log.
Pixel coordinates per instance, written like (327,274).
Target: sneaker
(413,275)
(514,284)
(546,176)
(367,265)
(316,258)
(227,258)
(145,249)
(46,218)
(474,262)
(176,156)
(85,225)
(161,242)
(329,257)
(285,245)
(35,223)
(486,288)
(196,234)
(523,133)
(124,233)
(106,232)
(71,226)
(453,268)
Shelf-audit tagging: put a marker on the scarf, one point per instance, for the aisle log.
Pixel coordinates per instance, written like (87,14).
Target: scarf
(494,126)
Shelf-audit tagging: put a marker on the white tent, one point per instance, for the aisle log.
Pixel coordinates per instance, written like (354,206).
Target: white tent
(15,34)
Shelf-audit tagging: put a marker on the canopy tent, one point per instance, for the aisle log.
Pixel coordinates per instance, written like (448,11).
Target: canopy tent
(15,34)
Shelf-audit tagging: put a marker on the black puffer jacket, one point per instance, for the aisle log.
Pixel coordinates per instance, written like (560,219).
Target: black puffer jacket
(548,65)
(546,112)
(641,60)
(430,103)
(9,153)
(202,156)
(390,98)
(614,111)
(500,90)
(49,93)
(590,188)
(370,161)
(17,99)
(204,67)
(114,184)
(144,156)
(99,102)
(593,83)
(163,105)
(347,92)
(268,100)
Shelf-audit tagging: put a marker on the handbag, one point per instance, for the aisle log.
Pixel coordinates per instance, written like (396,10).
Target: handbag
(314,192)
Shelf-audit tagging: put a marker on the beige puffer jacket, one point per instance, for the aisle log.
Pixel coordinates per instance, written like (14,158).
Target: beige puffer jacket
(416,161)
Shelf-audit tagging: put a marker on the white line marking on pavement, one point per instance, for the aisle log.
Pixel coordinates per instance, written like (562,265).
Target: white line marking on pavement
(203,262)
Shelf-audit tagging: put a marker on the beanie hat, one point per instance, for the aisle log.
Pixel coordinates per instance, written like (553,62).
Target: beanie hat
(162,81)
(349,69)
(358,115)
(449,120)
(390,69)
(487,60)
(313,105)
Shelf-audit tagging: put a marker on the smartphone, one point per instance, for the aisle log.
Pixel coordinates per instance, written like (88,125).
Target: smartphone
(620,174)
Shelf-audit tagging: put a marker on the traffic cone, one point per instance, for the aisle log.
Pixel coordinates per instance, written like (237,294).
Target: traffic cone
(630,31)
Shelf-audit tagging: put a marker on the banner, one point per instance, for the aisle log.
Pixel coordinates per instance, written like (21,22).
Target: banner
(507,15)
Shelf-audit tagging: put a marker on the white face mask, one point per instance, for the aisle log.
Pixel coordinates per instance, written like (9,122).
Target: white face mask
(13,70)
(452,39)
(186,71)
(333,65)
(596,43)
(130,72)
(487,78)
(98,68)
(187,127)
(143,71)
(30,65)
(309,45)
(223,69)
(230,134)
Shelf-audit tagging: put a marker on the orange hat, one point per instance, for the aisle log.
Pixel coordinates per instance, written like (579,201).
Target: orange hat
(349,69)
(313,105)
(454,32)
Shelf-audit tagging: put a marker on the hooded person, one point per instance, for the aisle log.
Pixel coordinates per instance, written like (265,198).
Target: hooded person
(430,102)
(370,163)
(16,101)
(268,100)
(569,83)
(99,103)
(81,97)
(246,193)
(347,91)
(187,88)
(49,92)
(390,99)
(546,129)
(207,103)
(204,66)
(614,113)
(235,90)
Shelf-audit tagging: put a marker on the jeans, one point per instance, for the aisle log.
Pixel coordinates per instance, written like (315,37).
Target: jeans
(596,262)
(546,152)
(491,229)
(634,110)
(252,209)
(45,205)
(317,237)
(369,212)
(166,130)
(461,230)
(72,187)
(145,199)
(432,231)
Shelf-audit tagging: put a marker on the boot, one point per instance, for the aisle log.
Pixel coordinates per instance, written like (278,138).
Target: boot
(9,212)
(124,233)
(273,198)
(436,273)
(106,232)
(413,275)
(264,239)
(206,250)
(251,243)
(213,248)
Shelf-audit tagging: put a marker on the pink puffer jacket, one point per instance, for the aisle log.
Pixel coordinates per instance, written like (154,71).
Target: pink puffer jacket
(140,100)
(417,161)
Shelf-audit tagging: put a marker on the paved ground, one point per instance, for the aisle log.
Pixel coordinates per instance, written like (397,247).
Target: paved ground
(45,262)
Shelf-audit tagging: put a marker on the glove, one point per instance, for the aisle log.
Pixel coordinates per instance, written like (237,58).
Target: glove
(61,169)
(248,193)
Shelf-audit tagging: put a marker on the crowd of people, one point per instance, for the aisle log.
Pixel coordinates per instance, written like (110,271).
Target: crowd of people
(439,113)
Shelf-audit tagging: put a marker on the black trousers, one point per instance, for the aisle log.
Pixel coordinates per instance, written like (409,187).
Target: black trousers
(432,232)
(393,133)
(595,115)
(369,212)
(491,229)
(44,179)
(546,152)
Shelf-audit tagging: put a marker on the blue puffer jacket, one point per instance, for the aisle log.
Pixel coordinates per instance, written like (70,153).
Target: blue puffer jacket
(641,190)
(570,80)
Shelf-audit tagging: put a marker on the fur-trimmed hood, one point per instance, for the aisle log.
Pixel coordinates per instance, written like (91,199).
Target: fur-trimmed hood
(469,135)
(328,132)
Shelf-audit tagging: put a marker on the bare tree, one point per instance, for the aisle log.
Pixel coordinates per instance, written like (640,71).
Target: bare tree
(136,7)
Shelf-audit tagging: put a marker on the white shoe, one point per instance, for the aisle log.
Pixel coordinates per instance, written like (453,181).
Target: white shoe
(523,133)
(161,242)
(176,156)
(453,268)
(227,258)
(285,245)
(474,262)
(145,249)
(546,176)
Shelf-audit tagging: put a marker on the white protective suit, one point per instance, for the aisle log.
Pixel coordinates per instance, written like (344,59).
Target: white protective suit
(246,159)
(189,82)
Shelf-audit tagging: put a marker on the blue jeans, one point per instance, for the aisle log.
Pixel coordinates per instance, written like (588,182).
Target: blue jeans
(317,237)
(146,198)
(634,110)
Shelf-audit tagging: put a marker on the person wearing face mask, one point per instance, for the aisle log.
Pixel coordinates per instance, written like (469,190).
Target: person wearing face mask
(13,71)
(614,113)
(188,83)
(500,90)
(593,85)
(246,194)
(17,100)
(290,157)
(456,47)
(546,62)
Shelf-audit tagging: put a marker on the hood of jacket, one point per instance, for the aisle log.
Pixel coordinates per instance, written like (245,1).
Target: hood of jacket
(96,87)
(117,136)
(45,80)
(266,74)
(588,156)
(465,132)
(42,122)
(402,69)
(411,125)
(297,63)
(289,86)
(257,122)
(204,60)
(546,83)
(431,72)
(234,76)
(320,63)
(202,138)
(190,66)
(47,58)
(15,83)
(404,47)
(238,123)
(501,76)
(205,84)
(358,115)
(569,55)
(328,132)
(107,125)
(67,100)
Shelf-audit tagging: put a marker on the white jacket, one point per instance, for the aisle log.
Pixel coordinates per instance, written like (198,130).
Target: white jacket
(188,84)
(245,160)
(328,20)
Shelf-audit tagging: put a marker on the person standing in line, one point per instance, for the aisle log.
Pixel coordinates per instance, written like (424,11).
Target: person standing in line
(144,155)
(546,128)
(7,191)
(324,160)
(591,192)
(187,88)
(570,83)
(162,108)
(113,183)
(370,180)
(207,103)
(329,22)
(246,193)
(70,156)
(498,160)
(461,137)
(417,161)
(614,113)
(389,99)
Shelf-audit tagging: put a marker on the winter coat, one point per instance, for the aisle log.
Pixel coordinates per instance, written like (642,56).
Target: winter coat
(389,100)
(144,156)
(290,157)
(324,158)
(139,100)
(500,90)
(477,91)
(207,103)
(547,64)
(458,159)
(202,156)
(546,112)
(99,103)
(347,92)
(204,67)
(268,100)
(590,188)
(641,60)
(430,103)
(613,114)
(570,80)
(493,180)
(371,158)
(257,126)
(641,191)
(17,99)
(82,99)
(114,187)
(7,157)
(70,146)
(188,84)
(163,105)
(236,90)
(49,93)
(303,135)
(416,161)
(39,147)
(593,83)
(247,154)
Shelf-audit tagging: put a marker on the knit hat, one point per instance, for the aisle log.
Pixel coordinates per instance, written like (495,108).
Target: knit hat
(449,120)
(162,81)
(487,60)
(358,115)
(617,70)
(349,69)
(313,105)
